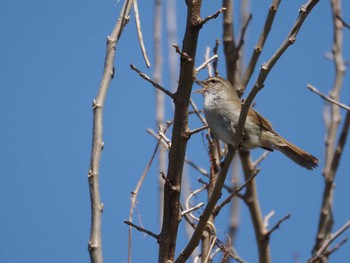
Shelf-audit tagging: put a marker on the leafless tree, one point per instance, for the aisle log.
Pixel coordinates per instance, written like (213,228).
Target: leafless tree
(173,136)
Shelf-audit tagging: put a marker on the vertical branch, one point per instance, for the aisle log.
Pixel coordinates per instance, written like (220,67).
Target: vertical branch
(172,39)
(95,242)
(234,210)
(214,156)
(216,193)
(326,216)
(233,72)
(251,199)
(159,95)
(180,136)
(229,42)
(259,46)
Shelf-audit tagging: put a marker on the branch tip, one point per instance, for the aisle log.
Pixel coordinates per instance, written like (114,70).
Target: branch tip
(213,16)
(184,56)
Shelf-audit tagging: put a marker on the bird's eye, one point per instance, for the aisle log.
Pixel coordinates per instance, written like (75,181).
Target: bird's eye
(213,81)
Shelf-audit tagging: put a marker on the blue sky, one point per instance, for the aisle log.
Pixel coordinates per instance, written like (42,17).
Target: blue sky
(52,55)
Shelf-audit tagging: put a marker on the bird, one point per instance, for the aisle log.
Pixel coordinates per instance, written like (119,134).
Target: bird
(222,108)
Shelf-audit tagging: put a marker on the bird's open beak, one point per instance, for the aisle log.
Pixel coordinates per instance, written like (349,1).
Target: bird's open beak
(199,91)
(201,83)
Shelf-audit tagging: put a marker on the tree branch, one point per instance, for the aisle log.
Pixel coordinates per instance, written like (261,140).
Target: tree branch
(95,242)
(193,243)
(155,84)
(328,241)
(277,225)
(139,34)
(341,105)
(213,16)
(131,224)
(260,45)
(332,153)
(171,211)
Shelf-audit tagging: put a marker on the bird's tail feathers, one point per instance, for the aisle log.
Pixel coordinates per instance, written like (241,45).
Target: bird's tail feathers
(297,154)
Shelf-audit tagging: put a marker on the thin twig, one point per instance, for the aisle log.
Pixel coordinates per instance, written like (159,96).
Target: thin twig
(155,84)
(163,136)
(184,56)
(212,244)
(341,105)
(260,159)
(139,34)
(195,166)
(156,136)
(277,225)
(131,224)
(343,21)
(198,130)
(215,62)
(268,217)
(188,199)
(192,244)
(138,187)
(195,108)
(235,192)
(243,31)
(135,194)
(336,247)
(328,241)
(213,16)
(261,42)
(206,57)
(206,63)
(196,207)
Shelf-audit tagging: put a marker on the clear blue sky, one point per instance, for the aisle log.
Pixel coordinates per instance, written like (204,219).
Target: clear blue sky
(52,56)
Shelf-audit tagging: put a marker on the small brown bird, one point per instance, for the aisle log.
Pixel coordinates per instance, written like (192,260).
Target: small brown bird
(222,108)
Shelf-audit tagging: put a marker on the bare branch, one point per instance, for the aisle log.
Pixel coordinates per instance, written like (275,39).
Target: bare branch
(215,62)
(156,135)
(141,229)
(336,247)
(192,244)
(243,31)
(183,55)
(260,159)
(155,84)
(135,194)
(196,207)
(235,192)
(213,16)
(139,34)
(341,105)
(95,242)
(206,63)
(163,136)
(333,151)
(328,241)
(268,217)
(172,189)
(198,168)
(229,42)
(195,108)
(206,57)
(277,225)
(342,21)
(261,42)
(188,199)
(198,130)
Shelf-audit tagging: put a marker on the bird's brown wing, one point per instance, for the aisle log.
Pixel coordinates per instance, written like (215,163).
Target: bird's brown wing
(261,121)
